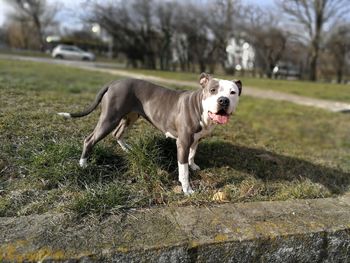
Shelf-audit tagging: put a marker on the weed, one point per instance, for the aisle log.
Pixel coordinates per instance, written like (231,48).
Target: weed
(101,199)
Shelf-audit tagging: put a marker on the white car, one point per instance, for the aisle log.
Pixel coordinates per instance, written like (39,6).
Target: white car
(71,52)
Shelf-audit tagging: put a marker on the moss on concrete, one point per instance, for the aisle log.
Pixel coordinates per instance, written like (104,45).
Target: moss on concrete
(298,231)
(16,252)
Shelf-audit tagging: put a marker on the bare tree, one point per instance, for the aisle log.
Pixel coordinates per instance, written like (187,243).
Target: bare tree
(193,34)
(220,19)
(269,40)
(202,34)
(37,13)
(181,51)
(339,48)
(3,36)
(313,16)
(18,35)
(148,30)
(165,13)
(132,26)
(116,20)
(295,55)
(145,28)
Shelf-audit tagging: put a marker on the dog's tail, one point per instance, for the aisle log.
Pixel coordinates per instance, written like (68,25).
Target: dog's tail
(89,109)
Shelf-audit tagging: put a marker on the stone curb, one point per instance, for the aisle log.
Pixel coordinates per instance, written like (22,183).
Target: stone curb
(289,231)
(334,106)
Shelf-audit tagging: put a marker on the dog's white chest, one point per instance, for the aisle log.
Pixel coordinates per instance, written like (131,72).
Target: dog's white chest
(169,135)
(197,136)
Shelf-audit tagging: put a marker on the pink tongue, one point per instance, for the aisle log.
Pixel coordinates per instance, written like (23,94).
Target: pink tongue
(218,118)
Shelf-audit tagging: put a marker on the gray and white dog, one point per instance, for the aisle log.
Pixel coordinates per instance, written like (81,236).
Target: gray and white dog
(185,116)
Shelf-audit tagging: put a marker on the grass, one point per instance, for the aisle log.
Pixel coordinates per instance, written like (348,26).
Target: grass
(319,90)
(269,151)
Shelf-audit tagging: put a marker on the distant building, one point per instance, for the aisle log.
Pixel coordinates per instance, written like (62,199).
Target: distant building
(240,55)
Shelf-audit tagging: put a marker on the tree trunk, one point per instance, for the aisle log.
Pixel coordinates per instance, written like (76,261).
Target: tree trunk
(339,76)
(315,45)
(340,65)
(39,32)
(269,74)
(270,68)
(212,66)
(202,66)
(313,65)
(161,62)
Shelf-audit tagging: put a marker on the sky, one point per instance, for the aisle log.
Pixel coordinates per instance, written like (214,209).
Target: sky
(68,17)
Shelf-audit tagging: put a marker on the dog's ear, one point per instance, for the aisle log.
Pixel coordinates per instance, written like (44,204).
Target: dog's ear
(204,79)
(239,85)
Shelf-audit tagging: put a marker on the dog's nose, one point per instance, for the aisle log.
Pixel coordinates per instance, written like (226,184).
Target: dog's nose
(223,101)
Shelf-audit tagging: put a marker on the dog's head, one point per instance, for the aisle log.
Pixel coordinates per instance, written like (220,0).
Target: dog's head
(220,98)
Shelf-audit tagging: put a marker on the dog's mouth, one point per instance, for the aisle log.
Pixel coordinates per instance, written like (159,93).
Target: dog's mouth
(221,117)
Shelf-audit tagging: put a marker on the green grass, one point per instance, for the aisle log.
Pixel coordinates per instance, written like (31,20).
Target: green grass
(269,151)
(320,90)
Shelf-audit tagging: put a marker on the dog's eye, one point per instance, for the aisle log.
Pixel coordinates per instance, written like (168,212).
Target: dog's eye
(212,90)
(233,92)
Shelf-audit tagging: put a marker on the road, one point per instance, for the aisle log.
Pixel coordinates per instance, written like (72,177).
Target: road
(114,69)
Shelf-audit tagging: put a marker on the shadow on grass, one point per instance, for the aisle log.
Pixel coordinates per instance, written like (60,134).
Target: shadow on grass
(104,167)
(259,163)
(270,166)
(153,152)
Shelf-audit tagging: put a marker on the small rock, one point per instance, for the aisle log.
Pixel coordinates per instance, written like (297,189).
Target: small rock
(220,197)
(177,189)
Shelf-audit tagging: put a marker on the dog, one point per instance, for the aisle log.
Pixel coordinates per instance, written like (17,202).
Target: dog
(186,116)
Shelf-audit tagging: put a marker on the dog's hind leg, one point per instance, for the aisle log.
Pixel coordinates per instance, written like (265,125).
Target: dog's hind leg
(104,126)
(125,123)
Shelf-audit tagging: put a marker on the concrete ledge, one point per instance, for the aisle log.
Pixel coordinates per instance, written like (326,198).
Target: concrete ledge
(292,231)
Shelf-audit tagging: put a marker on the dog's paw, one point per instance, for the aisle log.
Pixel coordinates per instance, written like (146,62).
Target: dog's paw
(187,190)
(194,167)
(65,115)
(83,163)
(126,147)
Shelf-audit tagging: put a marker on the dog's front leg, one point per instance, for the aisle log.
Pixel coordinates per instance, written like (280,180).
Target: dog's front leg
(192,153)
(183,148)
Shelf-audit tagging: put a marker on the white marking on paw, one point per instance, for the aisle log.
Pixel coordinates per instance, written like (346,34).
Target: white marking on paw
(65,114)
(126,147)
(83,163)
(189,191)
(184,178)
